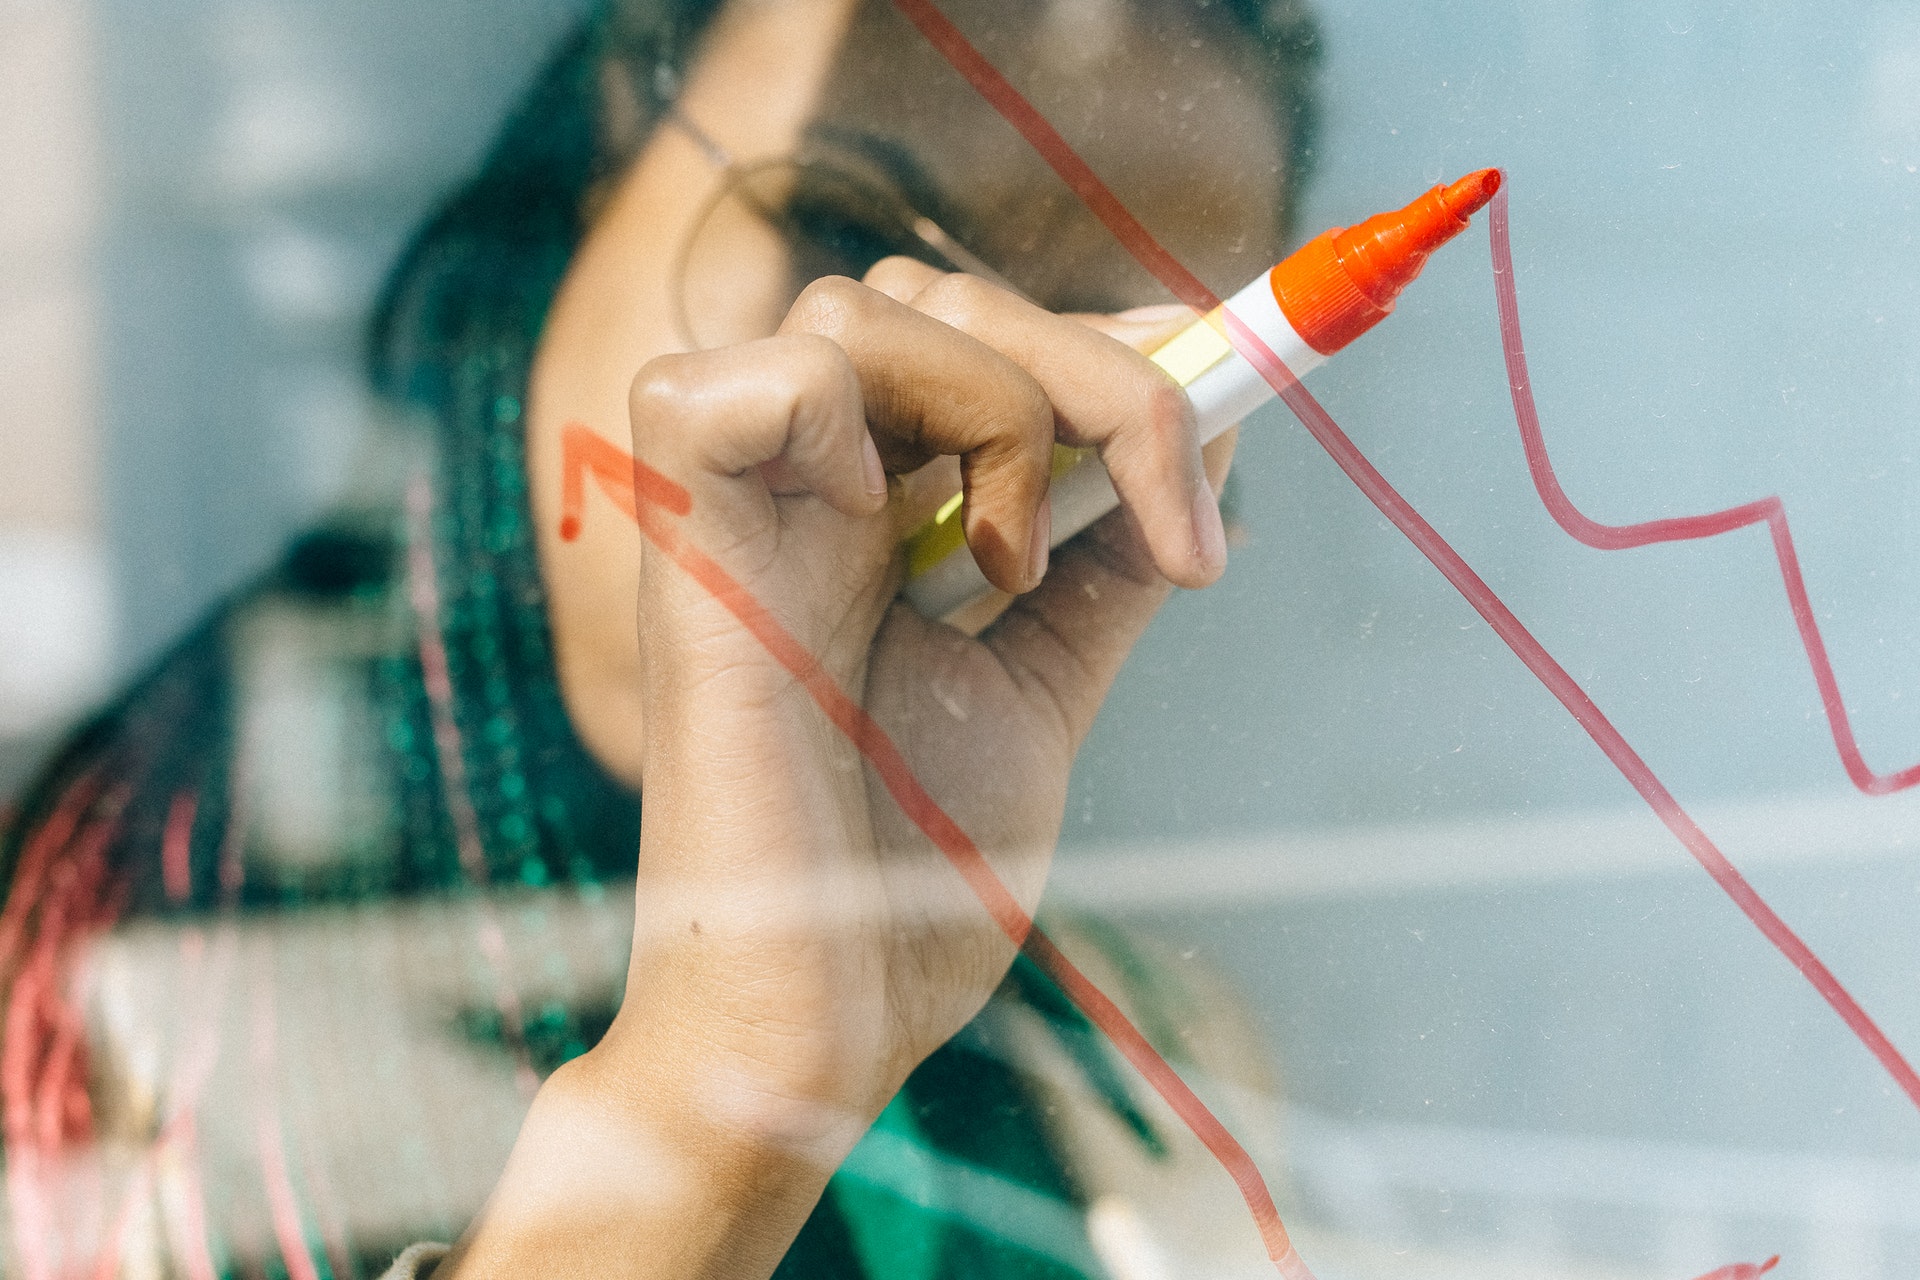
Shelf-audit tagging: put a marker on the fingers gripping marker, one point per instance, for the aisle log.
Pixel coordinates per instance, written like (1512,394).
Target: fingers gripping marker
(648,501)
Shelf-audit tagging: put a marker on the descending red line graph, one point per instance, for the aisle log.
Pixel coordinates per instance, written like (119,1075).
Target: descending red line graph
(1769,511)
(1150,254)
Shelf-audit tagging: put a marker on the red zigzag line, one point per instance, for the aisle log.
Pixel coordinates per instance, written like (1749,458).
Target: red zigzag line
(1138,241)
(1769,511)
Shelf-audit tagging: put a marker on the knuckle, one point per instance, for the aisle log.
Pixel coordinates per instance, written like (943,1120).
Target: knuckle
(1023,431)
(958,300)
(1036,414)
(1021,417)
(701,391)
(828,306)
(663,385)
(813,369)
(810,358)
(895,267)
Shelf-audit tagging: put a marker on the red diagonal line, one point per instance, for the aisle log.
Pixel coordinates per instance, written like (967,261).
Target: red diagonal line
(1138,241)
(1615,537)
(897,776)
(1045,139)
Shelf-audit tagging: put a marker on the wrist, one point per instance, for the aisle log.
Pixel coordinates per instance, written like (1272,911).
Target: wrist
(619,1174)
(723,1099)
(757,978)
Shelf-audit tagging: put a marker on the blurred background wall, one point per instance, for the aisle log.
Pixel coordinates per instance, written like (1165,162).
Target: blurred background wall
(56,596)
(200,200)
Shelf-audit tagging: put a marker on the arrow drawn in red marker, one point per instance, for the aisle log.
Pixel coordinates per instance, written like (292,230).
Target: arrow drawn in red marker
(581,452)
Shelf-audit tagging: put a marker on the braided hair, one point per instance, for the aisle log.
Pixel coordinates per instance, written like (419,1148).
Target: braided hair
(485,781)
(450,345)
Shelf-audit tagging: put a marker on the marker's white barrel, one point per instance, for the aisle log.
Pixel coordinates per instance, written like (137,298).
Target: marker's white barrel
(1224,389)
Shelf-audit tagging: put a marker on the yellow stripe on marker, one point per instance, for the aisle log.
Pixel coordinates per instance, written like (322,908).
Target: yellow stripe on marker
(1194,350)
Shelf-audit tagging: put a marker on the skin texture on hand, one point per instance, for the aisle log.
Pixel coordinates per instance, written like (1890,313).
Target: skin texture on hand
(737,756)
(800,947)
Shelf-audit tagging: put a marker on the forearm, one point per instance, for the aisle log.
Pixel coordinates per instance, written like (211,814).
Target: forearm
(618,1173)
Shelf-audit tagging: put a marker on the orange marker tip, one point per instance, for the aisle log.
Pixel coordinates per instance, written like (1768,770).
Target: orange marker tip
(1344,281)
(569,528)
(1469,195)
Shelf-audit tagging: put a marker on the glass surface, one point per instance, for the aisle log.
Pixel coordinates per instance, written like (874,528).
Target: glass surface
(1347,863)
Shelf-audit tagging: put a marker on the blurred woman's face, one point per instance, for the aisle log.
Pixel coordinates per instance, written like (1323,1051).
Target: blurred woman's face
(1168,100)
(1172,113)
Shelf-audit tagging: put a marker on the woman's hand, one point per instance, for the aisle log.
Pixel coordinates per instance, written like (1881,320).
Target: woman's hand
(800,946)
(790,916)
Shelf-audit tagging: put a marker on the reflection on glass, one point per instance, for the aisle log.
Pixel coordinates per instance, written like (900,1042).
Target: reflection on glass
(300,924)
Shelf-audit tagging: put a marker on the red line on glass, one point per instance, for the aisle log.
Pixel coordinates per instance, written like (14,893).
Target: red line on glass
(1320,424)
(1769,511)
(1057,152)
(650,498)
(582,451)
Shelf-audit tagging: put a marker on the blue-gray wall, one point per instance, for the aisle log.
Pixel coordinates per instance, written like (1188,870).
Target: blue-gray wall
(265,160)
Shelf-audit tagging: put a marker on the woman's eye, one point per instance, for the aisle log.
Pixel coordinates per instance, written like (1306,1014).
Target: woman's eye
(851,240)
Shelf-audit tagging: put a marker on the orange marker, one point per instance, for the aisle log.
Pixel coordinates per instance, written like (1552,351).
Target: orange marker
(1329,292)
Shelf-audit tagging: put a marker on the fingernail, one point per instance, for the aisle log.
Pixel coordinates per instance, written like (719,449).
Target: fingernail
(1209,534)
(1156,313)
(876,475)
(1038,546)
